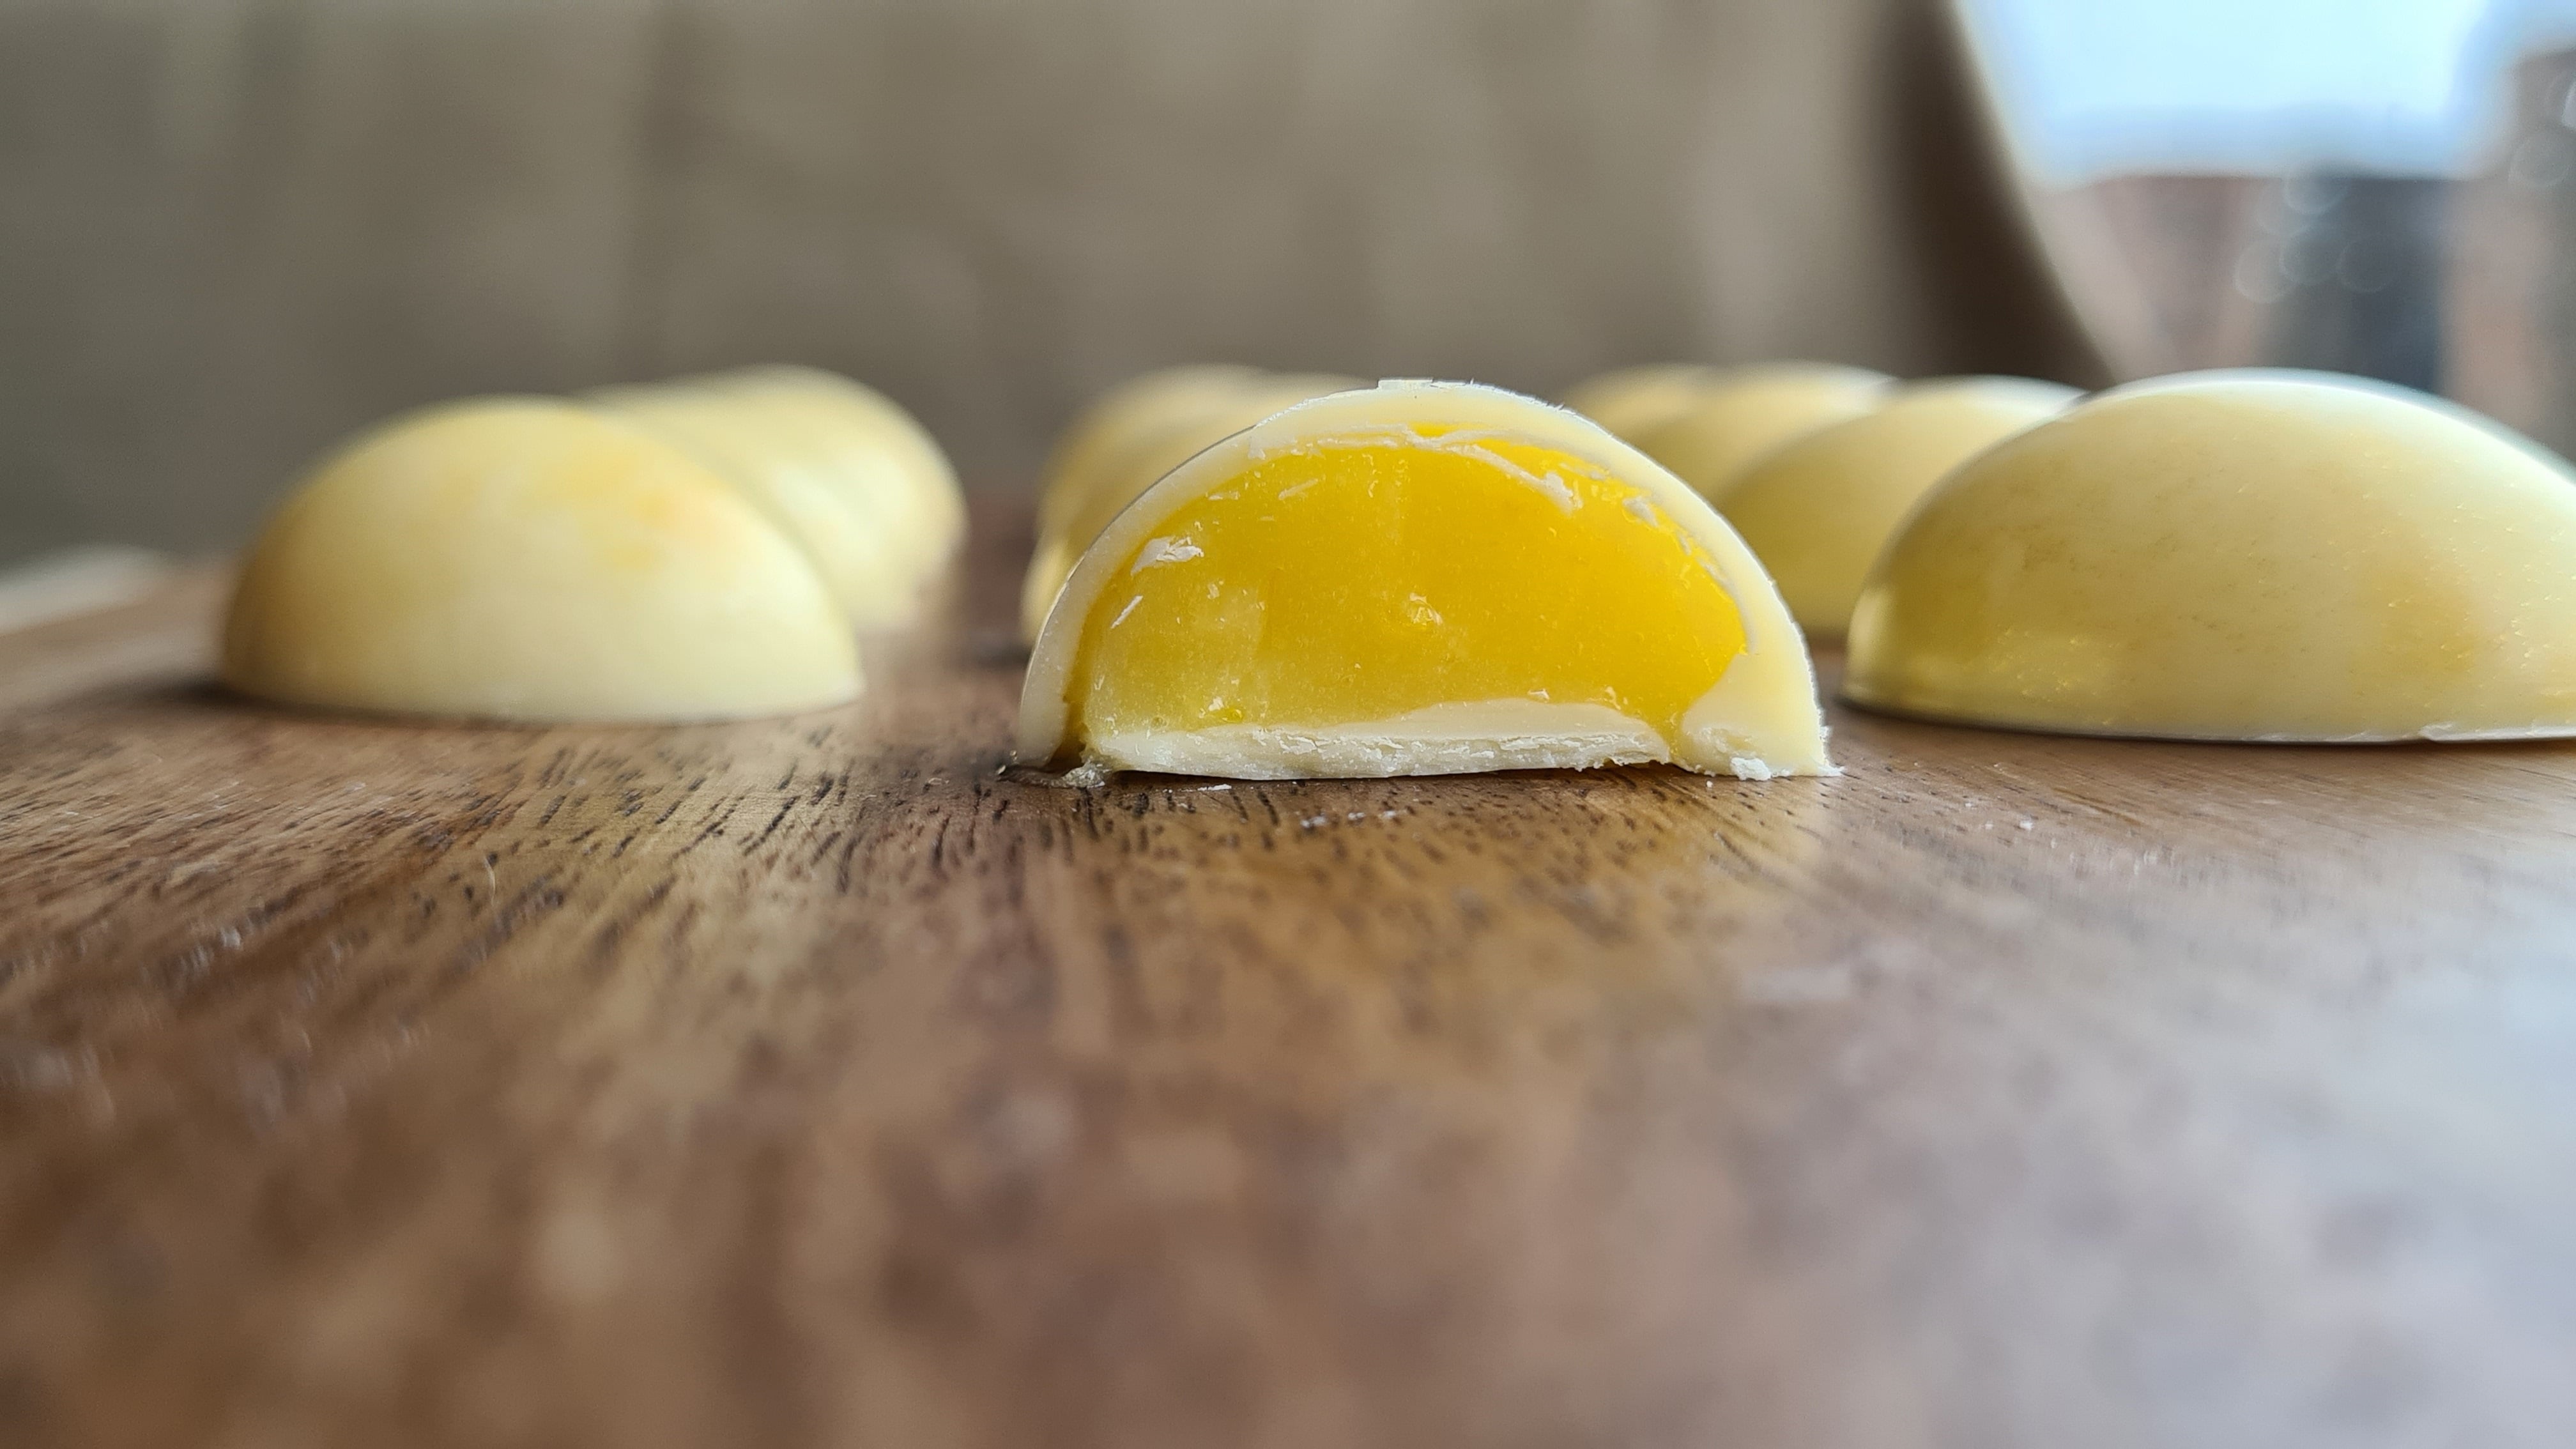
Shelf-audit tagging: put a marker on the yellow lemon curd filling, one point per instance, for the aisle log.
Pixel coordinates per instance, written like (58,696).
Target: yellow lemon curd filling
(1365,596)
(1501,572)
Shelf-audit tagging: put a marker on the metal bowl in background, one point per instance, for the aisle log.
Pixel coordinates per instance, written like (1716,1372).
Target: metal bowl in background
(2462,284)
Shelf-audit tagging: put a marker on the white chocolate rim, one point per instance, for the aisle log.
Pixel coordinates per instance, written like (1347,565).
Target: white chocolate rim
(1761,718)
(1466,737)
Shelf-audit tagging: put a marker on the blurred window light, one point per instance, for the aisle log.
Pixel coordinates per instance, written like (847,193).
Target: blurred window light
(2092,88)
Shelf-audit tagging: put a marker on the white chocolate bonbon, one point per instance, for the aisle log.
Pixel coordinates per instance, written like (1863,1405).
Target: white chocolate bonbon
(2237,556)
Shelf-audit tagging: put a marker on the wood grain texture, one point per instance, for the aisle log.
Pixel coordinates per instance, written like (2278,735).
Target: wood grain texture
(811,1082)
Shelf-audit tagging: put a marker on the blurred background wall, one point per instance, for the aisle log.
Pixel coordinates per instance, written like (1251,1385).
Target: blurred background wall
(232,230)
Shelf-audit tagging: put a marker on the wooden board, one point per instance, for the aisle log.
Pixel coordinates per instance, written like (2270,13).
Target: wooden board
(812,1082)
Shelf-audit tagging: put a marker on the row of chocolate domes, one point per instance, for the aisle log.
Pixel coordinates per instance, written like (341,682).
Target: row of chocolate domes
(2257,556)
(1422,577)
(2251,554)
(705,548)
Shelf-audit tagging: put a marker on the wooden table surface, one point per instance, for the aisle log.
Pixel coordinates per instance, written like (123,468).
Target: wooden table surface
(813,1082)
